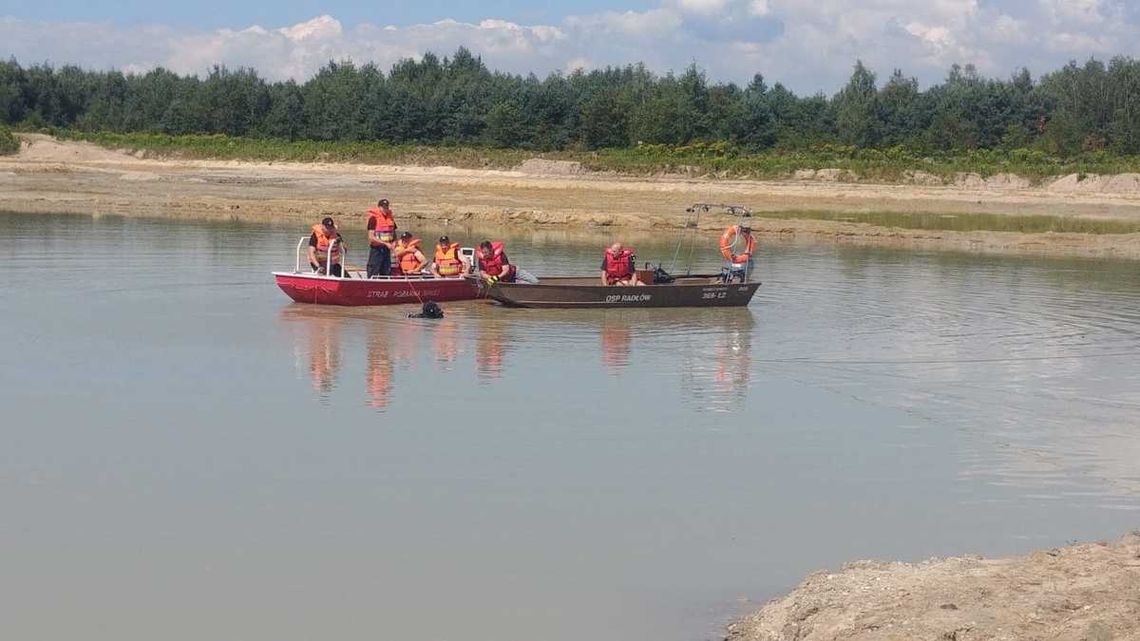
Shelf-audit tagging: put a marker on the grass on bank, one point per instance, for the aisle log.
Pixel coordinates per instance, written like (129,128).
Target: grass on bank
(1026,224)
(721,160)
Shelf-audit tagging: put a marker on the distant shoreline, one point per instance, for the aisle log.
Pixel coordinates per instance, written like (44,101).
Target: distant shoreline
(1097,216)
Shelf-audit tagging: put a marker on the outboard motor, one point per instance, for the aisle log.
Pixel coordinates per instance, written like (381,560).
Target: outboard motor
(662,277)
(430,310)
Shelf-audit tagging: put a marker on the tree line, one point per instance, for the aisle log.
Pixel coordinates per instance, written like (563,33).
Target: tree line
(457,100)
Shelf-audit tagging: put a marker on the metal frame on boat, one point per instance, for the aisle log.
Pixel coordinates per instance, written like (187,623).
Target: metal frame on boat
(354,288)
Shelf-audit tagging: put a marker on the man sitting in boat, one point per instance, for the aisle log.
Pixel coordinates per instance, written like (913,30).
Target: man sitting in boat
(324,235)
(406,252)
(494,264)
(738,265)
(381,236)
(618,267)
(448,263)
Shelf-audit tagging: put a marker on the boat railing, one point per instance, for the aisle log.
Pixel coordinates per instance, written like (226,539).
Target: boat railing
(328,259)
(465,252)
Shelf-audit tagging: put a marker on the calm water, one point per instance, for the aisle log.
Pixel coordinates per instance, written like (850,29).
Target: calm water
(188,455)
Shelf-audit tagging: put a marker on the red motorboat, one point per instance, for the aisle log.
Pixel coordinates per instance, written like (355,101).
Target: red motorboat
(355,288)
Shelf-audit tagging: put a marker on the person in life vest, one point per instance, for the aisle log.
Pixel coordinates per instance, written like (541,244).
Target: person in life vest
(494,264)
(739,265)
(381,237)
(618,267)
(733,236)
(407,255)
(448,263)
(319,247)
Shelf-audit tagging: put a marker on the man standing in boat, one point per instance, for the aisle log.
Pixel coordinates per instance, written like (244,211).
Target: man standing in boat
(618,267)
(326,239)
(740,265)
(381,237)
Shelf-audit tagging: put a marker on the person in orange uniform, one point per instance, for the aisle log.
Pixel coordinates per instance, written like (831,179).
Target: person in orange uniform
(321,243)
(494,264)
(381,237)
(448,263)
(618,267)
(739,265)
(407,255)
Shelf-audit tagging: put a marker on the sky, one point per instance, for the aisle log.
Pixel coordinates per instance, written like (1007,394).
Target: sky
(808,45)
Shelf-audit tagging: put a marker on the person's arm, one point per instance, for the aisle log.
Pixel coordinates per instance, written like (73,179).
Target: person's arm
(313,252)
(372,239)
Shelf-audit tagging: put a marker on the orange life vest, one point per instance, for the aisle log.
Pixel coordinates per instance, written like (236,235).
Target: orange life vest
(323,242)
(617,267)
(447,261)
(729,238)
(495,265)
(406,253)
(383,224)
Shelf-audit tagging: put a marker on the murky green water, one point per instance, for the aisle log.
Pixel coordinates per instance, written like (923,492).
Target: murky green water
(188,455)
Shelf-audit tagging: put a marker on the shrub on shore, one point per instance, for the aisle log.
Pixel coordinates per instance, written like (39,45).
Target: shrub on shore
(896,164)
(9,144)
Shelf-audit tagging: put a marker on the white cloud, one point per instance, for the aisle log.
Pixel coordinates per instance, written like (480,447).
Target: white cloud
(808,45)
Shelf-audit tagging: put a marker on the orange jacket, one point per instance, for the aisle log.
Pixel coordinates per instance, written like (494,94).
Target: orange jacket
(324,241)
(729,238)
(406,254)
(447,261)
(383,223)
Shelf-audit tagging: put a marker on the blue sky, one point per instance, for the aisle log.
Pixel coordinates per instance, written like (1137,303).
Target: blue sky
(809,45)
(212,14)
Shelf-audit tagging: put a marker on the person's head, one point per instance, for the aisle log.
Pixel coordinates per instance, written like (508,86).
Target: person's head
(485,248)
(406,236)
(328,224)
(616,248)
(746,228)
(444,241)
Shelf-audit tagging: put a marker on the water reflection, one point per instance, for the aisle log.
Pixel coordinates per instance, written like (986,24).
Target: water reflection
(379,373)
(318,348)
(491,341)
(707,353)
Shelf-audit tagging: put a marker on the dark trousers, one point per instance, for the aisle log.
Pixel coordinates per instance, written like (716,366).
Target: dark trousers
(379,261)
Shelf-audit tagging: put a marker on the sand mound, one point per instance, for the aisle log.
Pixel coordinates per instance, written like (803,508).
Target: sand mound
(543,167)
(922,178)
(41,148)
(1007,181)
(830,175)
(1125,184)
(969,180)
(1089,591)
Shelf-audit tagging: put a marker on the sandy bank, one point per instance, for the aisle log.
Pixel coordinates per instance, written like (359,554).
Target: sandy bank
(53,176)
(1088,592)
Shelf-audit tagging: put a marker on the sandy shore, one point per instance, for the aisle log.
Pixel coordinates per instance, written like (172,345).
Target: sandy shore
(1088,592)
(52,176)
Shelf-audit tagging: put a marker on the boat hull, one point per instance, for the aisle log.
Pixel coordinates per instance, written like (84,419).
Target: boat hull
(695,291)
(393,290)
